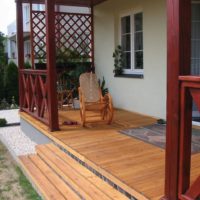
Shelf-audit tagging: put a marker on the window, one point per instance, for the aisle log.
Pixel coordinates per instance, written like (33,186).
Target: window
(27,13)
(132,43)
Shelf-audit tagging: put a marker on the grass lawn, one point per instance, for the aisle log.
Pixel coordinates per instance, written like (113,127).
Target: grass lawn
(13,183)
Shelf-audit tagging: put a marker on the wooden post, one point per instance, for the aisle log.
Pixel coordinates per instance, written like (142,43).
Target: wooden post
(31,37)
(20,48)
(92,35)
(178,63)
(51,65)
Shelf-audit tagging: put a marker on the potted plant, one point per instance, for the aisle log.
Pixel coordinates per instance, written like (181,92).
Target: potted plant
(118,60)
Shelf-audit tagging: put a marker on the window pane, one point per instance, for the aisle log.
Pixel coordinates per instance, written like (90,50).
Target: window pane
(139,60)
(138,41)
(126,43)
(138,22)
(126,24)
(127,60)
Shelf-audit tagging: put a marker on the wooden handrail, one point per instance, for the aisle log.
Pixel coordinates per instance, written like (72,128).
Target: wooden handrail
(190,78)
(33,72)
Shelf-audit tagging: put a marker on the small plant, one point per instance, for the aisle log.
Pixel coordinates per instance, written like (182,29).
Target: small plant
(118,60)
(102,84)
(4,105)
(13,105)
(41,53)
(27,65)
(3,122)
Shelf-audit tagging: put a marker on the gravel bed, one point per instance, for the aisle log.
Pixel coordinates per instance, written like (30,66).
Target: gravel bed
(16,141)
(11,116)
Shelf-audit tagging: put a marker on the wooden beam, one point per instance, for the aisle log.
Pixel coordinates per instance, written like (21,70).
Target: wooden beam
(51,65)
(81,3)
(178,63)
(20,49)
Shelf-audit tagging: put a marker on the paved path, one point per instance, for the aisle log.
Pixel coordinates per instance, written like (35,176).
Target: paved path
(13,137)
(11,116)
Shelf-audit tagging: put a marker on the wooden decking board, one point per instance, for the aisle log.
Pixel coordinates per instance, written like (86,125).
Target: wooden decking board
(49,192)
(132,164)
(76,180)
(104,187)
(58,183)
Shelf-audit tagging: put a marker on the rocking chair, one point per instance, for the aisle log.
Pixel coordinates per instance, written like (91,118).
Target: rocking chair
(91,99)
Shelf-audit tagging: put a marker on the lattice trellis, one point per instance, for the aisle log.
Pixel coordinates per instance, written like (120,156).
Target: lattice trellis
(72,32)
(39,34)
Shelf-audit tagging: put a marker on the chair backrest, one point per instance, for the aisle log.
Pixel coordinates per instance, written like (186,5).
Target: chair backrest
(90,87)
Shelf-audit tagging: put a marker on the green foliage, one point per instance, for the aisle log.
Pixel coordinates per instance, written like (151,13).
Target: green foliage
(102,85)
(27,65)
(2,64)
(3,122)
(27,188)
(11,82)
(118,56)
(4,105)
(2,51)
(66,55)
(73,77)
(2,92)
(13,104)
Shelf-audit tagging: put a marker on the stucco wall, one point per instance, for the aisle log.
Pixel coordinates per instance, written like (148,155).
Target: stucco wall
(147,95)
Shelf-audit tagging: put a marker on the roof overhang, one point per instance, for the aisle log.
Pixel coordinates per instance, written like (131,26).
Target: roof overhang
(82,3)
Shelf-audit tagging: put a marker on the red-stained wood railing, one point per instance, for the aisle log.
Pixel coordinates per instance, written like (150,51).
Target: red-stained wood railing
(35,95)
(189,90)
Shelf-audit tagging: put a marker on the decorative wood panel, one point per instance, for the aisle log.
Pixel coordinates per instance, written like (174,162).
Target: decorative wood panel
(73,32)
(190,89)
(35,98)
(38,34)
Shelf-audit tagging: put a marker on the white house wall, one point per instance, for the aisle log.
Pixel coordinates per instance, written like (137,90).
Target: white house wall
(147,95)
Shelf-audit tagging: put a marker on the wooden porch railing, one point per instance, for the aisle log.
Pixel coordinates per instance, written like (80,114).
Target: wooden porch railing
(189,90)
(34,94)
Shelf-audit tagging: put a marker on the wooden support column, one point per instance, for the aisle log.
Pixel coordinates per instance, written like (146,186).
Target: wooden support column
(92,35)
(31,37)
(178,63)
(20,48)
(51,65)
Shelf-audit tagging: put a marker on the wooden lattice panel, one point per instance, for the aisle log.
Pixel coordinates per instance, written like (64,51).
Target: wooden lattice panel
(38,34)
(73,31)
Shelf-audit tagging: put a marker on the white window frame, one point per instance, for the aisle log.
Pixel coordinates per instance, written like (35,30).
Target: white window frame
(27,13)
(132,15)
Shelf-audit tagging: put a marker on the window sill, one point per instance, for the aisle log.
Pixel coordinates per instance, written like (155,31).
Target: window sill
(140,76)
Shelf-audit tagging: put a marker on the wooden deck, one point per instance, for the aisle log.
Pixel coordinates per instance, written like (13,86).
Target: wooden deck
(132,164)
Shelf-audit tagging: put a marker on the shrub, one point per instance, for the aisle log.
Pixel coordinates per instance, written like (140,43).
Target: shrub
(11,82)
(27,65)
(4,105)
(3,122)
(2,94)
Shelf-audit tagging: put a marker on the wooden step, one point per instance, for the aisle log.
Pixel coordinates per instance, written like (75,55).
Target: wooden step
(87,184)
(41,180)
